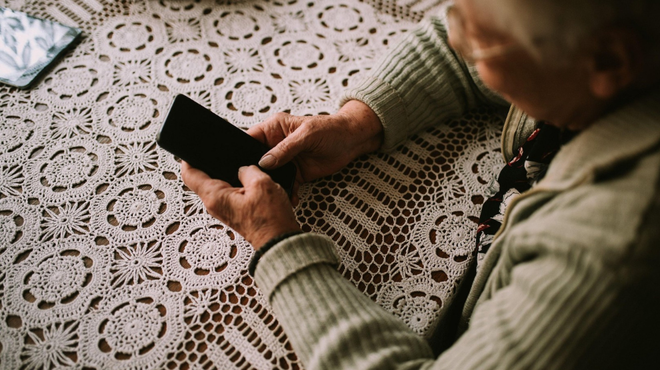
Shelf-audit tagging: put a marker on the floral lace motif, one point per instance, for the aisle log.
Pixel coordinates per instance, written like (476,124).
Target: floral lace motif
(108,261)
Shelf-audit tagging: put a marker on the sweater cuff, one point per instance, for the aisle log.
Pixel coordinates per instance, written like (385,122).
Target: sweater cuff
(290,256)
(388,105)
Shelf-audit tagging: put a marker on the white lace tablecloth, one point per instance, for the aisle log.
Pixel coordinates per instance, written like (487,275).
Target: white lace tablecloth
(106,259)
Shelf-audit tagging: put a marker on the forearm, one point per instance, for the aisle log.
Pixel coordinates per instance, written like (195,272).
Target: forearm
(419,83)
(529,324)
(331,324)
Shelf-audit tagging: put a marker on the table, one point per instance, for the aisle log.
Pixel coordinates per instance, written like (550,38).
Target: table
(108,261)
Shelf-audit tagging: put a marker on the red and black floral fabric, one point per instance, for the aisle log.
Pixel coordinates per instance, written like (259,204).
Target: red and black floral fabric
(520,174)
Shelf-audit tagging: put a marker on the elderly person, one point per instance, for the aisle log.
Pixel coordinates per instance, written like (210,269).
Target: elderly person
(571,276)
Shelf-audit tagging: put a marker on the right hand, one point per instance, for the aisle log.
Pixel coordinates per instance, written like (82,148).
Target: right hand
(319,145)
(259,211)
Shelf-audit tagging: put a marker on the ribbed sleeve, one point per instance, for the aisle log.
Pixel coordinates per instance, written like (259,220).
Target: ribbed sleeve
(330,324)
(554,309)
(419,83)
(560,311)
(291,255)
(575,288)
(575,280)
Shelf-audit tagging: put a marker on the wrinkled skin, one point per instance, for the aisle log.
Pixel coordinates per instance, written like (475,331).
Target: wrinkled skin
(572,95)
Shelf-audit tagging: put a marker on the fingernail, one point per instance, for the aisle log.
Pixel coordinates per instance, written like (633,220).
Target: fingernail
(267,161)
(241,169)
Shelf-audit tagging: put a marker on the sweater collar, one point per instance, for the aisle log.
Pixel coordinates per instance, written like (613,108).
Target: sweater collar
(618,136)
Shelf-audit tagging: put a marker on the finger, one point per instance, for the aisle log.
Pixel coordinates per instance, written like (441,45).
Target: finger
(258,132)
(272,130)
(284,151)
(191,175)
(250,175)
(198,180)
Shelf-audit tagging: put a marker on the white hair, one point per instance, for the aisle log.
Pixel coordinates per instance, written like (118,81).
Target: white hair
(555,29)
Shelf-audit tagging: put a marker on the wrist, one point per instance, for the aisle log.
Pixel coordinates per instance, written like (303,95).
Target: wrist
(263,237)
(364,126)
(268,245)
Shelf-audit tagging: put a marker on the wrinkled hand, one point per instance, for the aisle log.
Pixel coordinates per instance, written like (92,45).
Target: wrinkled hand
(319,145)
(259,211)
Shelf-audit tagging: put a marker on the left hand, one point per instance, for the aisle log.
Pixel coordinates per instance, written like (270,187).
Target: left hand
(259,211)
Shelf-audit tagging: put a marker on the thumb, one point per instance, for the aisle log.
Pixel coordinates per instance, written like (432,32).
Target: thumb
(283,152)
(249,175)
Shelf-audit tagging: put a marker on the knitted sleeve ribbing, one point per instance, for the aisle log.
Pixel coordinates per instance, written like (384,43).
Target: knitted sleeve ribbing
(420,82)
(554,311)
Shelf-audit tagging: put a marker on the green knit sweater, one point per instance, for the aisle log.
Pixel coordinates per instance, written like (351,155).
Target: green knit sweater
(571,282)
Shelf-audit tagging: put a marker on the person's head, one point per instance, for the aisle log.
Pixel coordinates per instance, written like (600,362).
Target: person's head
(565,61)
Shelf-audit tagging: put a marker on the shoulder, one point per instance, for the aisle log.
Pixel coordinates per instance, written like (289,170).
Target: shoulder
(614,217)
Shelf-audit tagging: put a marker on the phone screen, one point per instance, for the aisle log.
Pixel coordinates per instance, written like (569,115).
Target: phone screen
(28,45)
(213,145)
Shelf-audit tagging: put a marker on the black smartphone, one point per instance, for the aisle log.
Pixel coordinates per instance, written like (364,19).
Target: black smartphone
(29,45)
(213,145)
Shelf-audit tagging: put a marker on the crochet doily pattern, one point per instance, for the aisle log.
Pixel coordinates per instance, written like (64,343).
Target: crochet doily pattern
(108,261)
